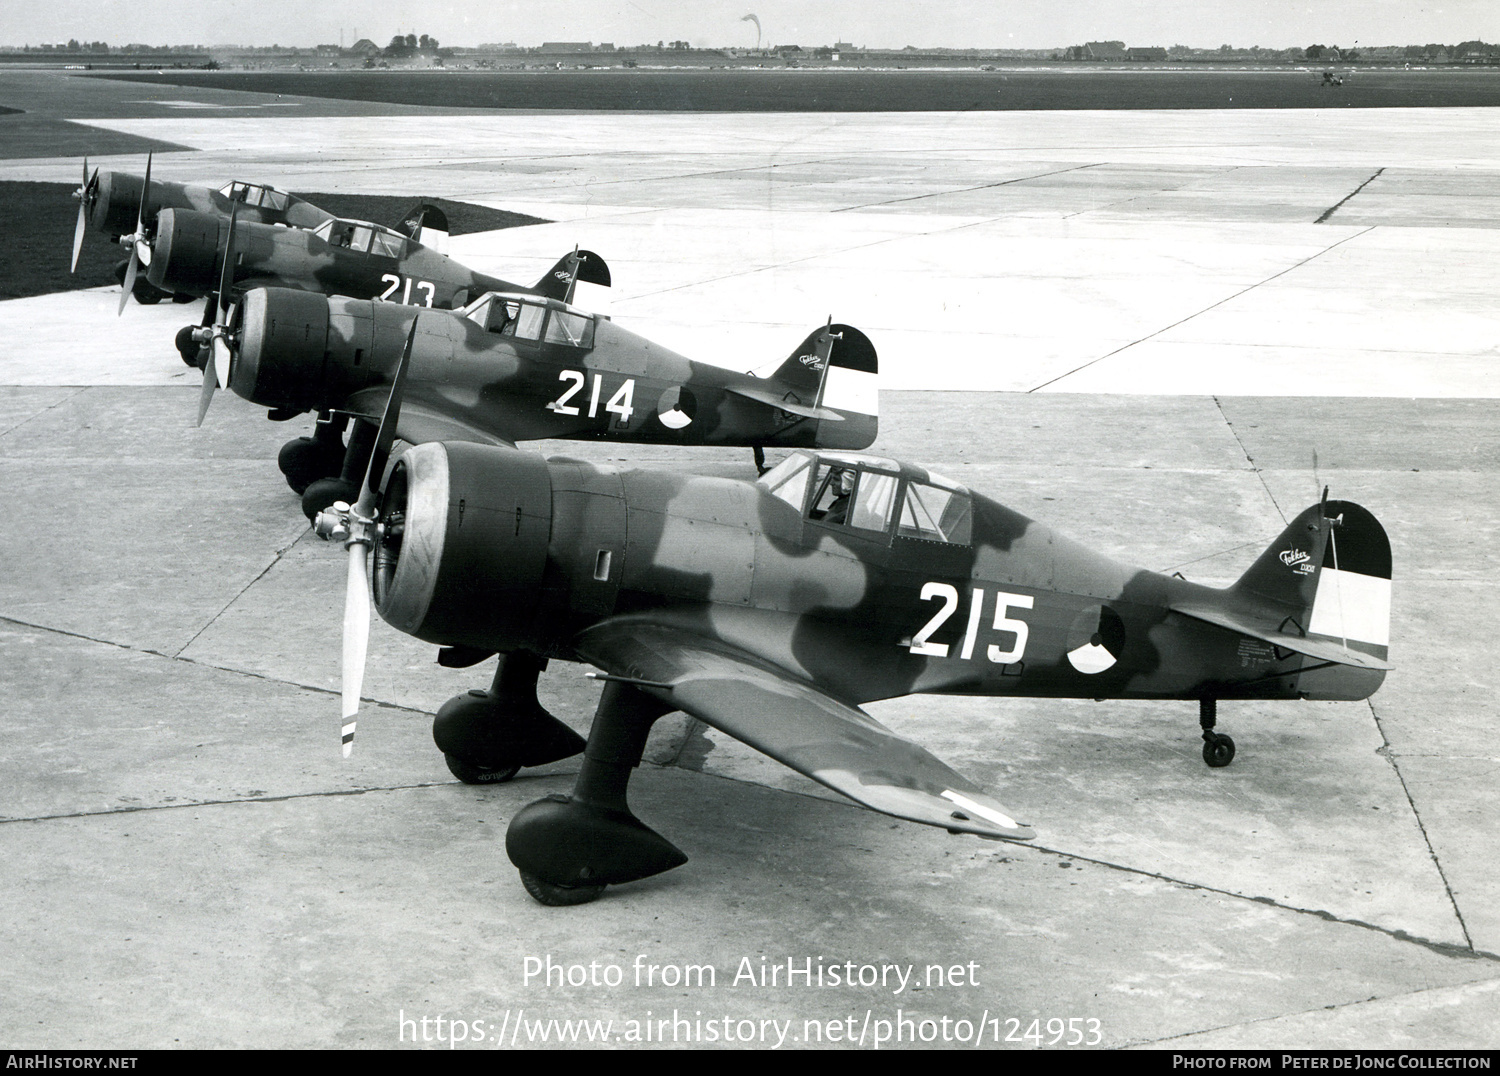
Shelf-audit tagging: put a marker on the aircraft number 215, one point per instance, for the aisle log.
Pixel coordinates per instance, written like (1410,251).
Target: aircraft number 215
(921,642)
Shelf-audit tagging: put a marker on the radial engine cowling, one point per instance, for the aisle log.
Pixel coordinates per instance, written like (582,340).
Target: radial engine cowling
(116,201)
(185,252)
(283,341)
(463,544)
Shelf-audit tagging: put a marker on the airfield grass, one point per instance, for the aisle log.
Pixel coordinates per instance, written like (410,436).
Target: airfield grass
(38,220)
(1039,87)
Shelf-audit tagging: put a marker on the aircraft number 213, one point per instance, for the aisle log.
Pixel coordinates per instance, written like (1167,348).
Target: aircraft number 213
(393,281)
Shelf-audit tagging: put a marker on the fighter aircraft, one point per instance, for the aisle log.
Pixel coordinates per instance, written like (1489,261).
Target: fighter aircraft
(511,367)
(108,202)
(115,204)
(773,610)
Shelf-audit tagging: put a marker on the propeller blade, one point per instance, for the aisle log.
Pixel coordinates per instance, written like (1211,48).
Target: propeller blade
(361,529)
(226,274)
(140,216)
(386,434)
(219,348)
(210,382)
(356,637)
(129,285)
(83,215)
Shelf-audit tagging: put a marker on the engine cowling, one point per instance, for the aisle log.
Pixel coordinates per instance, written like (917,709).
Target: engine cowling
(185,252)
(283,340)
(116,201)
(462,549)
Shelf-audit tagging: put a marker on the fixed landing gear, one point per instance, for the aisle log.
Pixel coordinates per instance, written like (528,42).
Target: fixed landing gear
(1218,749)
(487,736)
(341,483)
(306,459)
(568,848)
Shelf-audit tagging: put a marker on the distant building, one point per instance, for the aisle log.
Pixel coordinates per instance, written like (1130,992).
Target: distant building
(1106,50)
(1151,54)
(567,46)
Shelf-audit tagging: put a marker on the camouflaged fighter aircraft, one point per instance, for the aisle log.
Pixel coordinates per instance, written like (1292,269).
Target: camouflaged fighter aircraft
(512,367)
(773,610)
(116,204)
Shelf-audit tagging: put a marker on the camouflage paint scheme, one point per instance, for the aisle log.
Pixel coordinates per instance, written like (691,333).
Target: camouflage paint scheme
(112,200)
(337,257)
(517,367)
(749,607)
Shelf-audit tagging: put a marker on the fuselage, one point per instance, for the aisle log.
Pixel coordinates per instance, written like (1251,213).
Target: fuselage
(337,257)
(921,586)
(539,370)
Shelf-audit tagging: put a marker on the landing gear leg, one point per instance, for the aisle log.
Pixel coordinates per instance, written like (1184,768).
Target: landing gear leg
(322,493)
(760,459)
(486,736)
(307,459)
(568,848)
(1218,749)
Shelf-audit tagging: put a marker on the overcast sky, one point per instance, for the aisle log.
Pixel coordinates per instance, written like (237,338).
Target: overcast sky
(713,23)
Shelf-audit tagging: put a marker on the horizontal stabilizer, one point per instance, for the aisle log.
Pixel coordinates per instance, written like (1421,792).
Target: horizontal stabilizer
(1322,649)
(791,407)
(835,744)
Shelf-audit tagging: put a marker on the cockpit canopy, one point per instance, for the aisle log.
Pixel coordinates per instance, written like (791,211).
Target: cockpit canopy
(530,317)
(874,495)
(362,236)
(256,194)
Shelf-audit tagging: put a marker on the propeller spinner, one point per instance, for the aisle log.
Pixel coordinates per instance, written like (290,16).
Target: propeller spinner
(359,527)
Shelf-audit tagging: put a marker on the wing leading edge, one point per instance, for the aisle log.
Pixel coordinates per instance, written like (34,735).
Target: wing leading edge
(837,745)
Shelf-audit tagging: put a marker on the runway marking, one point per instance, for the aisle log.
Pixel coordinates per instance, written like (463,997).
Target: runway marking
(1205,310)
(1334,208)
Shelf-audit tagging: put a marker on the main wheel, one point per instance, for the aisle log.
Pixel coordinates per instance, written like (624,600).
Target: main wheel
(1218,750)
(324,492)
(187,347)
(559,896)
(471,774)
(305,460)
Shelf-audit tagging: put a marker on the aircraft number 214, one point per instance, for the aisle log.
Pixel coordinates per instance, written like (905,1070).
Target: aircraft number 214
(621,403)
(921,642)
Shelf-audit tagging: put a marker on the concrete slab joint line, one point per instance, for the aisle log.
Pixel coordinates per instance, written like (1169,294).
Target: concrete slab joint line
(966,190)
(1390,758)
(1335,207)
(1251,460)
(1205,310)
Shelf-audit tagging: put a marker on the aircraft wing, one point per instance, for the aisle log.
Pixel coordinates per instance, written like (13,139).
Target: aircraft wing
(1322,649)
(771,399)
(835,744)
(419,422)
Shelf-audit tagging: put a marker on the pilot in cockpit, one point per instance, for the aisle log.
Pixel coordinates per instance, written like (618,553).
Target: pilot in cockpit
(838,508)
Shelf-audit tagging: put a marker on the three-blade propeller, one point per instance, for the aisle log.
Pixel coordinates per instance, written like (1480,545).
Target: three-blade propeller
(359,527)
(85,195)
(140,250)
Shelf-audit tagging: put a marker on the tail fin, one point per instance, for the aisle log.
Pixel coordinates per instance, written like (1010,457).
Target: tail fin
(1322,589)
(1330,571)
(835,369)
(559,281)
(428,225)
